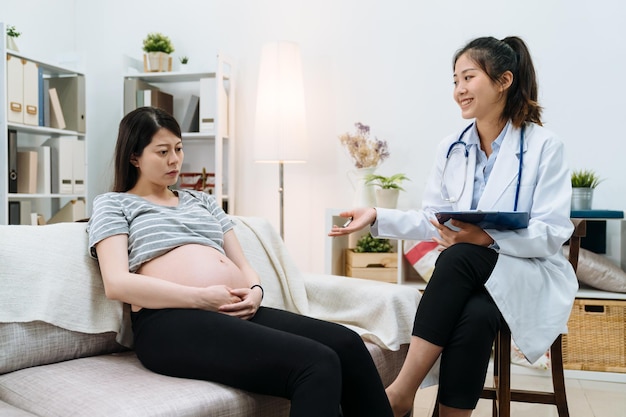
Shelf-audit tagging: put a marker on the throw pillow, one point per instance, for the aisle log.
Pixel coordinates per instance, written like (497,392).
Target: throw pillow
(422,255)
(598,271)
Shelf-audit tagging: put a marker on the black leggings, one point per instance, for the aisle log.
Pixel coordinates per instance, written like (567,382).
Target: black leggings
(457,313)
(316,364)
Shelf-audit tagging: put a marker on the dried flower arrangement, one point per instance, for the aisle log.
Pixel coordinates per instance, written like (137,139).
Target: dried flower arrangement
(365,152)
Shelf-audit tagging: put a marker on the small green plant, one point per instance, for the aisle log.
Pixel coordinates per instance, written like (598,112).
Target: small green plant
(157,42)
(12,32)
(184,59)
(585,178)
(367,243)
(392,182)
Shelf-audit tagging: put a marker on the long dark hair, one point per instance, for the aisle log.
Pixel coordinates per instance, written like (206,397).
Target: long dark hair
(495,57)
(136,131)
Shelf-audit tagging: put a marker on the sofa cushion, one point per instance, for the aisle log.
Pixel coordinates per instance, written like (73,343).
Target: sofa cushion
(35,343)
(7,410)
(118,385)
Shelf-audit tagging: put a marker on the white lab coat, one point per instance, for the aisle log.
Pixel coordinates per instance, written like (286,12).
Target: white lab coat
(533,285)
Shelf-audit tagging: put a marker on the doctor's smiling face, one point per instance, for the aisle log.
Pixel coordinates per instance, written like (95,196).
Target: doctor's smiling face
(476,94)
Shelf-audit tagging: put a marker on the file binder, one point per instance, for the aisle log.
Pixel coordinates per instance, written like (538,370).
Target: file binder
(212,93)
(15,89)
(62,164)
(78,169)
(25,210)
(208,104)
(12,161)
(45,108)
(31,93)
(42,97)
(14,212)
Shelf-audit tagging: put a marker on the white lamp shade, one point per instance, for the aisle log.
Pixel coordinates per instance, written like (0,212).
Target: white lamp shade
(280,126)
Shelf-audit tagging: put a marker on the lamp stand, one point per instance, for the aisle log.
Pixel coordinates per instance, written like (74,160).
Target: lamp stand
(281,193)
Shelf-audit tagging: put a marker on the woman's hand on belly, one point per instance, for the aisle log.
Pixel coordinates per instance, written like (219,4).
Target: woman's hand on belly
(247,307)
(215,297)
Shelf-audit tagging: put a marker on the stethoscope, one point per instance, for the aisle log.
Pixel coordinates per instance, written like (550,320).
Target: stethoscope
(460,141)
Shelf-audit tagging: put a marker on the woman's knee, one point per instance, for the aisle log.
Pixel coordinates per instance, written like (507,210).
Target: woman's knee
(481,315)
(321,370)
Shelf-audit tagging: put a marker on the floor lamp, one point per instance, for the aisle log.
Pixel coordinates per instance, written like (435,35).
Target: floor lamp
(280,128)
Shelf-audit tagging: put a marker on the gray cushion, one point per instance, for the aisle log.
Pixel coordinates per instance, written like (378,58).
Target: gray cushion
(118,385)
(7,410)
(37,343)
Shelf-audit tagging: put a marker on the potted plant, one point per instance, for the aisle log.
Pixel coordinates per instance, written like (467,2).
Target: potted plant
(12,35)
(184,60)
(584,181)
(158,48)
(372,258)
(388,188)
(366,154)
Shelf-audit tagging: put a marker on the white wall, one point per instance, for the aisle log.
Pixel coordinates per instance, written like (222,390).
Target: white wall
(383,63)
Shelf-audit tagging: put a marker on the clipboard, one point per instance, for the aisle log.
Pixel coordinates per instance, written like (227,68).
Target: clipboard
(500,220)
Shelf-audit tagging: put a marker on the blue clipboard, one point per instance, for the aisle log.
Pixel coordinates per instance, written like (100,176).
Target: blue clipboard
(500,220)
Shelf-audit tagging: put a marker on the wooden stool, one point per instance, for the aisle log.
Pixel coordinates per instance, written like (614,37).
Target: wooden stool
(501,393)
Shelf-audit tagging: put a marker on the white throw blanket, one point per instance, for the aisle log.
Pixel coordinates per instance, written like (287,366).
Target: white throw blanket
(47,275)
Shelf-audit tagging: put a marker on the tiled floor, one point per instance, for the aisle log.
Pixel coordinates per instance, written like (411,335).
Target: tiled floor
(585,399)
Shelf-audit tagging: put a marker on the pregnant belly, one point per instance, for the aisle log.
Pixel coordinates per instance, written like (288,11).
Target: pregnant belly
(195,266)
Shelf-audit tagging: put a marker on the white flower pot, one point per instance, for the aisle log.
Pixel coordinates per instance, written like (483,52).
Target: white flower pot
(582,198)
(387,197)
(11,44)
(364,193)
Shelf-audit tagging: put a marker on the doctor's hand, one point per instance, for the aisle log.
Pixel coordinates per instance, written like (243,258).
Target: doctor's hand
(466,233)
(361,217)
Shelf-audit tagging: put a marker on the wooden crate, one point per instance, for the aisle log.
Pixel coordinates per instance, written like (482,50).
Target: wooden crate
(375,266)
(596,338)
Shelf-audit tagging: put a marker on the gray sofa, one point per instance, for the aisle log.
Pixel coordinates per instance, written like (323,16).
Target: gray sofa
(65,350)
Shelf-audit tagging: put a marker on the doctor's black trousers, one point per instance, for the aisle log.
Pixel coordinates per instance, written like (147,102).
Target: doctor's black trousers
(457,313)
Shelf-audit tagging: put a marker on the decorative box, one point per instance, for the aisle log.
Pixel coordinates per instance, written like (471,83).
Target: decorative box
(375,266)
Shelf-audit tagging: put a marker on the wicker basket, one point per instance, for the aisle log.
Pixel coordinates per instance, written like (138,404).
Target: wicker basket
(596,338)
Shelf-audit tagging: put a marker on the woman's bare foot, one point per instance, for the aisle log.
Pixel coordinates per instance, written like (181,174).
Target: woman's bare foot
(400,405)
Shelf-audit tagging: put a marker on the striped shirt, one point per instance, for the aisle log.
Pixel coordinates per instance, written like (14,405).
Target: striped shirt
(154,230)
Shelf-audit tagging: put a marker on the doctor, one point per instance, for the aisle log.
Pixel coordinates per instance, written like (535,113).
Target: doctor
(503,161)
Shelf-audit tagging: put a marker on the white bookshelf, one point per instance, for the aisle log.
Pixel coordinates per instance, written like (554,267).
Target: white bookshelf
(32,136)
(213,150)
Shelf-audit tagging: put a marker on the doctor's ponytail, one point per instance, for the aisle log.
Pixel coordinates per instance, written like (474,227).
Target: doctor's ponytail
(495,57)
